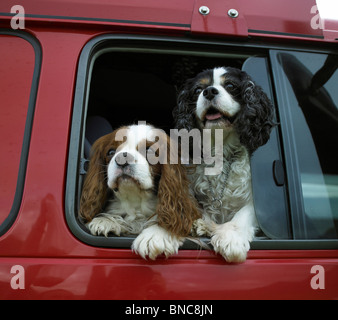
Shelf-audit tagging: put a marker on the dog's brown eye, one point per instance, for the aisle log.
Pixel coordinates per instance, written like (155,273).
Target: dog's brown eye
(198,91)
(229,86)
(111,152)
(151,151)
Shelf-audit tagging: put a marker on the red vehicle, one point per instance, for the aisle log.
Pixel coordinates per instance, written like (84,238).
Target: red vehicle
(70,70)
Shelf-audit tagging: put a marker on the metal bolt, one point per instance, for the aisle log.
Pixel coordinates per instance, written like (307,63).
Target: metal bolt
(233,13)
(204,10)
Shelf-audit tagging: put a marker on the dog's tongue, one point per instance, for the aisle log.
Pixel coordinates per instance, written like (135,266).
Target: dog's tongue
(213,116)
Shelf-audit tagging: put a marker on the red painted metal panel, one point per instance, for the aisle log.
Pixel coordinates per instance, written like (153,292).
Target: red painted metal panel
(163,13)
(217,21)
(16,73)
(183,278)
(288,17)
(277,19)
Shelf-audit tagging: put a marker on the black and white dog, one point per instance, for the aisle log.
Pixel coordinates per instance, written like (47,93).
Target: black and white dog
(226,99)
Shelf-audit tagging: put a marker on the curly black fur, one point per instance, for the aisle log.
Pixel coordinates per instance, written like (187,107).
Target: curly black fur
(253,122)
(184,113)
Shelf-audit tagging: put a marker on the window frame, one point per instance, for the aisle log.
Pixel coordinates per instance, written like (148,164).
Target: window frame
(75,165)
(293,172)
(10,219)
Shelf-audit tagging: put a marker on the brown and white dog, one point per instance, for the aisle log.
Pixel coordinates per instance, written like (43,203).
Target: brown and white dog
(131,188)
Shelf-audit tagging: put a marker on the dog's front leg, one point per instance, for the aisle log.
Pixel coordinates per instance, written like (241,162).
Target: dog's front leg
(154,241)
(106,223)
(232,239)
(203,227)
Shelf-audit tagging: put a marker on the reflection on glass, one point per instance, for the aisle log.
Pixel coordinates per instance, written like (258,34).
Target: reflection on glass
(312,82)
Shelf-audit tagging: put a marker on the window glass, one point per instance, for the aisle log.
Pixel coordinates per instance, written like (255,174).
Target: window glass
(16,73)
(270,197)
(311,83)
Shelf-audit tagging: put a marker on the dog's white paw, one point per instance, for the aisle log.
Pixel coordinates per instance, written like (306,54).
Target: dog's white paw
(231,242)
(104,225)
(201,228)
(154,241)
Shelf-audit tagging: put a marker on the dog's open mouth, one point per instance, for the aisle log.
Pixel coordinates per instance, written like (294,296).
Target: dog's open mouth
(215,115)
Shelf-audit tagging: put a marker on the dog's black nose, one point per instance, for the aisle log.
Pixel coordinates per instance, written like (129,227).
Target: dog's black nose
(210,92)
(124,158)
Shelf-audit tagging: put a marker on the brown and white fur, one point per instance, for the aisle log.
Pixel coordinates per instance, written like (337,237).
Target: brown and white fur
(226,99)
(125,193)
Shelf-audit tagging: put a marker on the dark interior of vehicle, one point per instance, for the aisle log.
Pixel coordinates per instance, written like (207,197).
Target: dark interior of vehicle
(131,87)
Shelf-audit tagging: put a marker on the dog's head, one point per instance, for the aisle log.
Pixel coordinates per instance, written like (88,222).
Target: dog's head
(226,98)
(139,160)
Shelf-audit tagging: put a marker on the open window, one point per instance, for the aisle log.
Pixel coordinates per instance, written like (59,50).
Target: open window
(123,80)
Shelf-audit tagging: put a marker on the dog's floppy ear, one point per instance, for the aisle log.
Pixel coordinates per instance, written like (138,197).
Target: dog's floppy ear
(177,209)
(95,188)
(255,120)
(184,112)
